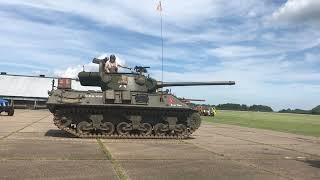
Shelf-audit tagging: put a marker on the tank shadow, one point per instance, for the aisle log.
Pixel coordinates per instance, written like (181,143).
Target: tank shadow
(313,163)
(58,133)
(189,138)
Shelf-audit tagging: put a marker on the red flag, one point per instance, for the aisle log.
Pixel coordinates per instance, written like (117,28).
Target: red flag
(159,7)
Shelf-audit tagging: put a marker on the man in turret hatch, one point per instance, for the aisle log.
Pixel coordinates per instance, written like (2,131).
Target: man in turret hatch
(112,65)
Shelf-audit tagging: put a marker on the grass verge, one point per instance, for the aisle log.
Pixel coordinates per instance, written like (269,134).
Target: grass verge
(292,123)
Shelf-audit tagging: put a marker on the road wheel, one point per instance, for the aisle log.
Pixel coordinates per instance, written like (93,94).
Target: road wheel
(123,128)
(84,127)
(161,129)
(146,129)
(107,128)
(180,130)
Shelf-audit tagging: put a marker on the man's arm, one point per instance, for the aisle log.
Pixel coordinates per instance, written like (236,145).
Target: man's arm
(119,65)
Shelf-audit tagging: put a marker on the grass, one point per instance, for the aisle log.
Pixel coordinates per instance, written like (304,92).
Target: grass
(283,122)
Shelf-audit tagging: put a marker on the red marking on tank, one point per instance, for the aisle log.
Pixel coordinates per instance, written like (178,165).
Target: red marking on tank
(171,100)
(64,83)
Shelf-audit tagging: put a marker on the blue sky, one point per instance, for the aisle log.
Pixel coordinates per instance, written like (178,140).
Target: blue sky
(271,48)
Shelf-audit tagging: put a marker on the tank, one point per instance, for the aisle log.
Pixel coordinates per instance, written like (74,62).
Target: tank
(129,105)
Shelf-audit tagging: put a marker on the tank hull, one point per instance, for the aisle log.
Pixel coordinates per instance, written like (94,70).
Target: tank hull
(90,115)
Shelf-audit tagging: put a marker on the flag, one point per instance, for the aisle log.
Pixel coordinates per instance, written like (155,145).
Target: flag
(159,7)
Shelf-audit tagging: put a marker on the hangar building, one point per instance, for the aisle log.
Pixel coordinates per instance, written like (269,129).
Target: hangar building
(30,91)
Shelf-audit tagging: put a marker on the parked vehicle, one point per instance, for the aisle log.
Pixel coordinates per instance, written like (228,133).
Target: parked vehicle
(6,106)
(206,111)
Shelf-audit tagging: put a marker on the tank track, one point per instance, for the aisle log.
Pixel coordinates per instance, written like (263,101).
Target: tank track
(60,120)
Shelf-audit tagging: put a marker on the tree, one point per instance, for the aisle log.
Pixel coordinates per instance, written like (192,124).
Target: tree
(316,110)
(261,108)
(296,111)
(243,107)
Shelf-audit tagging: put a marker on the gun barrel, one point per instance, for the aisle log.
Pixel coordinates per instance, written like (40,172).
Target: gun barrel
(96,61)
(200,100)
(209,83)
(89,78)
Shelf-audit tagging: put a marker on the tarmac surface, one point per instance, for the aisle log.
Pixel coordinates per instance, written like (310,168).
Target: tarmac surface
(31,147)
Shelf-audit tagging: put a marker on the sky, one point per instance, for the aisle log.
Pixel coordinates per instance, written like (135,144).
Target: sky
(271,48)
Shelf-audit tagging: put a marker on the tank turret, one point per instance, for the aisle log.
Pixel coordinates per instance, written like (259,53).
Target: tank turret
(135,81)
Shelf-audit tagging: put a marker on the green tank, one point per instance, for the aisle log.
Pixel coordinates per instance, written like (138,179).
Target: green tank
(129,105)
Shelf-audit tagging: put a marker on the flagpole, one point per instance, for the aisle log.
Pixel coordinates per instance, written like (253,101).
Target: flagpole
(159,8)
(161,45)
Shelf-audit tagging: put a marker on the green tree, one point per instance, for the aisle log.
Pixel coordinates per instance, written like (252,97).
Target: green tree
(316,110)
(261,108)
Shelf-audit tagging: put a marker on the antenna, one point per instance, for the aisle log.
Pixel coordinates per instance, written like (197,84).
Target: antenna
(159,8)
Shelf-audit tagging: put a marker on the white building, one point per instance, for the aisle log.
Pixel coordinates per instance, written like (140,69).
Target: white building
(30,91)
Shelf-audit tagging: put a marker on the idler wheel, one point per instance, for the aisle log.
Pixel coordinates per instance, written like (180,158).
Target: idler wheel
(124,128)
(84,127)
(195,121)
(146,129)
(161,129)
(107,128)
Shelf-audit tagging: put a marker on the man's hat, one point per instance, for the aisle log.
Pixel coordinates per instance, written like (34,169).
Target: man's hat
(112,57)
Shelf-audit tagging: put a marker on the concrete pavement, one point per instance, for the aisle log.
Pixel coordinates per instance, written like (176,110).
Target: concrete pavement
(31,147)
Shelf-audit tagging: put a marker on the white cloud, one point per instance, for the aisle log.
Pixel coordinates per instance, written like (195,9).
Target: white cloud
(72,71)
(126,14)
(40,44)
(24,65)
(237,51)
(298,12)
(272,43)
(180,16)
